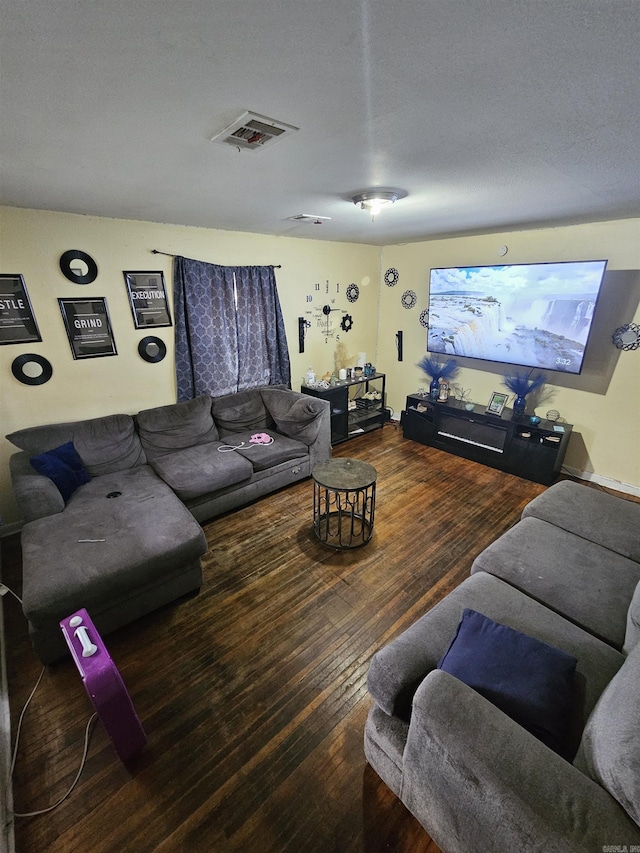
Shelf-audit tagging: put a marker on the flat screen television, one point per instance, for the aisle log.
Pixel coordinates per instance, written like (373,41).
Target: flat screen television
(532,315)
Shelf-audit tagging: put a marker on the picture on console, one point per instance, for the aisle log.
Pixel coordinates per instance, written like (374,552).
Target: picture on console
(534,315)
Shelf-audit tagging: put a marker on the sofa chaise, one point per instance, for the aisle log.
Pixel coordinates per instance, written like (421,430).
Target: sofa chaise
(476,764)
(127,539)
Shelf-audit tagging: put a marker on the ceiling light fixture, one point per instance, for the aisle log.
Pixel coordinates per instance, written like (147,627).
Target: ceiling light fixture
(374,200)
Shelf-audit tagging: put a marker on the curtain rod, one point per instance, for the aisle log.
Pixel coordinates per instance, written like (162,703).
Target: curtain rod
(169,255)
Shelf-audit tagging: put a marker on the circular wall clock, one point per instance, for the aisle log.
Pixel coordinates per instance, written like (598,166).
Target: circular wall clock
(391,277)
(409,299)
(424,318)
(353,291)
(327,311)
(78,267)
(31,369)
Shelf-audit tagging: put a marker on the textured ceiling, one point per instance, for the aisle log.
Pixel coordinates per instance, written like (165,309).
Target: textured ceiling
(491,114)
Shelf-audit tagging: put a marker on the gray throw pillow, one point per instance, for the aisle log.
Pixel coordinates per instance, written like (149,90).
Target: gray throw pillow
(610,742)
(296,417)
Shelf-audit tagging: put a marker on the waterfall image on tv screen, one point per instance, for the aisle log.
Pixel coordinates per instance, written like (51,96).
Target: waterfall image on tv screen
(533,315)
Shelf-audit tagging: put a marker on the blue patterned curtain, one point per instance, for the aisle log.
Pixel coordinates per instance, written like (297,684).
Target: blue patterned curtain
(229,330)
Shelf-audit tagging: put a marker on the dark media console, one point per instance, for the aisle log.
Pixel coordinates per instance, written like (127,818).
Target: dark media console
(515,446)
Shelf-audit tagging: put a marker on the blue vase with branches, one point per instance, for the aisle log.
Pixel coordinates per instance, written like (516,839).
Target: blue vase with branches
(437,370)
(520,383)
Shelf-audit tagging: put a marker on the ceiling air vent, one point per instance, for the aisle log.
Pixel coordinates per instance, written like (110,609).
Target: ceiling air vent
(253,132)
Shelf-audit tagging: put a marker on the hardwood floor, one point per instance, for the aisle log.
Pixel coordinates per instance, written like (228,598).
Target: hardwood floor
(253,692)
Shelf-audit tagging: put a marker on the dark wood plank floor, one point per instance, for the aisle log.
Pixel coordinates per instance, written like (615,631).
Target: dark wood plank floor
(253,692)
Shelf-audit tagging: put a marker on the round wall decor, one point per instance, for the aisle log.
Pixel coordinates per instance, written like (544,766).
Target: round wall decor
(391,277)
(78,267)
(346,323)
(152,349)
(424,318)
(627,337)
(353,291)
(409,299)
(31,369)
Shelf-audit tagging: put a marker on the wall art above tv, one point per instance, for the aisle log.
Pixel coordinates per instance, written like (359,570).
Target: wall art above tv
(533,315)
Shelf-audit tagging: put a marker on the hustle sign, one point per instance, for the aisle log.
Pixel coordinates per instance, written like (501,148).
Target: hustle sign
(17,321)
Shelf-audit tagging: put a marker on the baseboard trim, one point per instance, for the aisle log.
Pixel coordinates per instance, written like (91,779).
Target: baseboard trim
(607,482)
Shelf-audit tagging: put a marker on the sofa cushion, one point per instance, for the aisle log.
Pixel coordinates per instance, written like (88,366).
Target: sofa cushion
(117,534)
(297,417)
(105,445)
(632,636)
(241,412)
(63,467)
(263,454)
(399,667)
(608,520)
(583,581)
(529,680)
(165,429)
(199,470)
(611,743)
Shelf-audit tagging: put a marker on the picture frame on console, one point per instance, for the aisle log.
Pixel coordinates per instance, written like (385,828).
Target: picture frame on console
(497,403)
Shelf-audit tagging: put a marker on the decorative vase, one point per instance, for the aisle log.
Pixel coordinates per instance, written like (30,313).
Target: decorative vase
(434,388)
(519,405)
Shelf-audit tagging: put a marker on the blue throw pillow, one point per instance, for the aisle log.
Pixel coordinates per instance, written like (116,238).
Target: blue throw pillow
(64,467)
(529,680)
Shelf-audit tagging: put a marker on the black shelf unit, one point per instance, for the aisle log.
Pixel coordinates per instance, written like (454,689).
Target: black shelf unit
(534,452)
(351,413)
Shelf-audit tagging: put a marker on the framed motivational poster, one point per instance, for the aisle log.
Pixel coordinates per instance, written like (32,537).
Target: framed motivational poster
(148,299)
(17,321)
(88,327)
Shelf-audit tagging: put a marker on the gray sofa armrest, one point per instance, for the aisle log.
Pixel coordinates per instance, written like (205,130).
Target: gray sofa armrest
(37,496)
(476,781)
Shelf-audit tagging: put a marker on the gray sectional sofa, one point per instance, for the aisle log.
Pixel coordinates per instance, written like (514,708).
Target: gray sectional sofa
(480,773)
(128,540)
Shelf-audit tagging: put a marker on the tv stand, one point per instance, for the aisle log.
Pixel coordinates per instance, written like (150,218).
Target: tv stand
(515,446)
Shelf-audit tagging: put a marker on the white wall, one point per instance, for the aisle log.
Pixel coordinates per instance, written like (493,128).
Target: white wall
(603,403)
(31,244)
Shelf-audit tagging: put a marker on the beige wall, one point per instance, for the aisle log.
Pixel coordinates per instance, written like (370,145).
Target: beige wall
(603,403)
(31,243)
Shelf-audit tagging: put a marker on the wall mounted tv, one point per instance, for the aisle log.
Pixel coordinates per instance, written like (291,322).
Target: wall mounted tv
(532,315)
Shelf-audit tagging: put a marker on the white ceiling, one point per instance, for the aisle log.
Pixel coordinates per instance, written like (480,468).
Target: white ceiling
(491,114)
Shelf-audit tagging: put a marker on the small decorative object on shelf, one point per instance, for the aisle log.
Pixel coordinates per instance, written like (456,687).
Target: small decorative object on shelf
(521,384)
(437,370)
(553,415)
(443,391)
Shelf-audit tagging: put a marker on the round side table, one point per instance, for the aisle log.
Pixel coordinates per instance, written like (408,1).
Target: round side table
(344,501)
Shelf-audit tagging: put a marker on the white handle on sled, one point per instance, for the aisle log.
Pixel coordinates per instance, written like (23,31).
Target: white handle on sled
(88,648)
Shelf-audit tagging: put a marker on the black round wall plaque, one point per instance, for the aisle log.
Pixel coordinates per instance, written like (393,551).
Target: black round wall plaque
(69,262)
(31,369)
(152,349)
